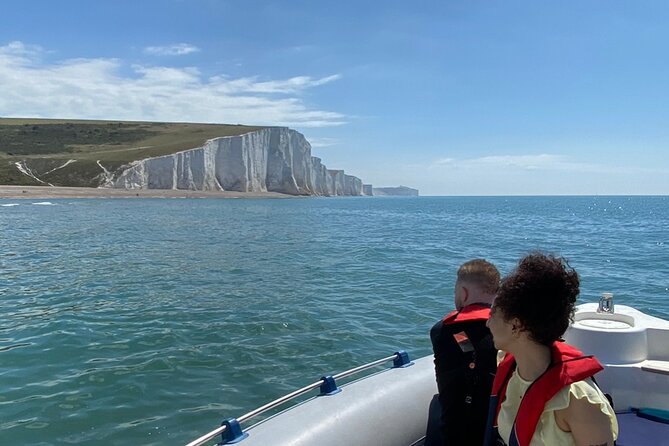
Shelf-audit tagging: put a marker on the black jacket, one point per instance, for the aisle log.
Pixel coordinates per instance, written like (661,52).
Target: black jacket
(465,371)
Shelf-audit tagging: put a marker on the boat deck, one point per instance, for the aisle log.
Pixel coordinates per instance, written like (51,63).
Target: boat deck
(637,431)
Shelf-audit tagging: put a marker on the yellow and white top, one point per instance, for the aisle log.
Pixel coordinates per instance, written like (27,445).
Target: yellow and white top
(548,433)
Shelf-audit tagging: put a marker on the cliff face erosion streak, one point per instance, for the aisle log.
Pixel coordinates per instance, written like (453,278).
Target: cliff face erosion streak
(274,159)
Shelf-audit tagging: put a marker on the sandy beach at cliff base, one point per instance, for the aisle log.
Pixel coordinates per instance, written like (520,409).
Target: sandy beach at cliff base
(44,192)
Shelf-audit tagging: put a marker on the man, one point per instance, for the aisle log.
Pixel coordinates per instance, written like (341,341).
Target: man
(465,358)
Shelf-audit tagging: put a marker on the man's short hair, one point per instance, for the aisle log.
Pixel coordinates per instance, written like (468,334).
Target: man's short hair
(482,273)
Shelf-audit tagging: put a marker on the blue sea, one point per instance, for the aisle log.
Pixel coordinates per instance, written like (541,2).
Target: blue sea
(148,321)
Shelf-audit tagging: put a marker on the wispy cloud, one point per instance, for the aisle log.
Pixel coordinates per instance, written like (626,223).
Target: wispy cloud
(529,163)
(443,162)
(523,162)
(323,142)
(286,86)
(300,49)
(21,49)
(179,49)
(97,89)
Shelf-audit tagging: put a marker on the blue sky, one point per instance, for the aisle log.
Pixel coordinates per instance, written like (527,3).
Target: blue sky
(451,97)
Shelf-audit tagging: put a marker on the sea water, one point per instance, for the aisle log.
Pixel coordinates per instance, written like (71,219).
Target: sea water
(148,321)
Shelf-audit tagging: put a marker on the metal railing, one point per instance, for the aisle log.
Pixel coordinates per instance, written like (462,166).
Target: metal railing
(326,383)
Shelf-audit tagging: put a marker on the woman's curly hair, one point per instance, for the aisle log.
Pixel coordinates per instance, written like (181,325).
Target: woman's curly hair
(541,292)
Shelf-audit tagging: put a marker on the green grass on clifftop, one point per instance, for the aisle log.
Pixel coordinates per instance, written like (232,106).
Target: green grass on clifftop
(45,144)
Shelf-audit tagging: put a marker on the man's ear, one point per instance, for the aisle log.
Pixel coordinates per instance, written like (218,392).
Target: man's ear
(465,294)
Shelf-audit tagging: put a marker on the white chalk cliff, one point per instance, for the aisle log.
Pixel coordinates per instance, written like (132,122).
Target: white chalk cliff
(275,159)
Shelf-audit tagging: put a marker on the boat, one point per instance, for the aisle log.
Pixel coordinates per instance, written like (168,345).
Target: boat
(390,407)
(634,349)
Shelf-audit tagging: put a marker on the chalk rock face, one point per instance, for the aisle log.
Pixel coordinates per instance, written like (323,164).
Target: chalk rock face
(337,178)
(275,159)
(320,180)
(352,185)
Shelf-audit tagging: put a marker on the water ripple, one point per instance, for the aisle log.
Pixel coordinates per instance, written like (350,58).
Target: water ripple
(152,329)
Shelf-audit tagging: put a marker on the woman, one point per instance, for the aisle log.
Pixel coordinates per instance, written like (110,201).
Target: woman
(543,392)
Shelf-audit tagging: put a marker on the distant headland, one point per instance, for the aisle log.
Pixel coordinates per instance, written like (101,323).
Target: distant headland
(395,191)
(141,156)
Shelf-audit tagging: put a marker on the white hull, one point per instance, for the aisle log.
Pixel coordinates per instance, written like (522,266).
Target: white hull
(390,408)
(386,409)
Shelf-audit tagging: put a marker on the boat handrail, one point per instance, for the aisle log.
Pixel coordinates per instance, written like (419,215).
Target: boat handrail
(327,385)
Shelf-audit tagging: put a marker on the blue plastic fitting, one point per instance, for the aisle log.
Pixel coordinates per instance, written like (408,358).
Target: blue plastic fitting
(232,433)
(657,415)
(402,360)
(329,386)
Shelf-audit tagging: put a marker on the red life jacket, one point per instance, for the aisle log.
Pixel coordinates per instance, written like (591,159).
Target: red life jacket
(569,365)
(473,312)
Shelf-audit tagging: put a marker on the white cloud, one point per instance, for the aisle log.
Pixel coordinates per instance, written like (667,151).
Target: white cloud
(444,161)
(20,49)
(323,142)
(525,162)
(540,162)
(528,162)
(253,85)
(179,49)
(96,89)
(521,162)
